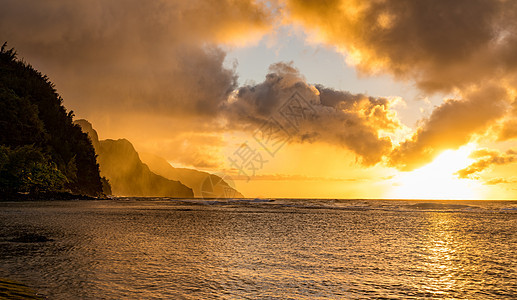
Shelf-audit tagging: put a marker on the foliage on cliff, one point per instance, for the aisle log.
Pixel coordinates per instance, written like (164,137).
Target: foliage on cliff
(41,150)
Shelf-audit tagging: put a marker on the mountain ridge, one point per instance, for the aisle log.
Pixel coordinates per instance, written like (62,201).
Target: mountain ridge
(122,164)
(127,174)
(204,184)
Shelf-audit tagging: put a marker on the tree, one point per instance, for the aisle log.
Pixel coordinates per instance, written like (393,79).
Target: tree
(42,150)
(26,170)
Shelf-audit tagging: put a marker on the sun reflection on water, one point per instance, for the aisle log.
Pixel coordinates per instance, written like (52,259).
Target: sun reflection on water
(440,252)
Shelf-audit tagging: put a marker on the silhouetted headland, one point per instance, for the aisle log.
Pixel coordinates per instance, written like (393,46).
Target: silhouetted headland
(42,153)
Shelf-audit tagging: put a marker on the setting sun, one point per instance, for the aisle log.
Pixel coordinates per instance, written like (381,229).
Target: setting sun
(437,180)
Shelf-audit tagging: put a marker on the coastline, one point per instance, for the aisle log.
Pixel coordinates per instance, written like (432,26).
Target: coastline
(47,196)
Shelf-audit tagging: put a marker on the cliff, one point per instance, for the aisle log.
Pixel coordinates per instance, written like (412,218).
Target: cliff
(41,150)
(128,176)
(204,185)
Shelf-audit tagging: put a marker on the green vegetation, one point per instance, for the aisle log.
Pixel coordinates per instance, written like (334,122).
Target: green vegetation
(41,150)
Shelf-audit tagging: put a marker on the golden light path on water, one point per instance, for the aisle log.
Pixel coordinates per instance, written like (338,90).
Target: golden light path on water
(437,180)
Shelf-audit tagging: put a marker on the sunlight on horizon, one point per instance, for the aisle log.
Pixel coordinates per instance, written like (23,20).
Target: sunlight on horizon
(436,180)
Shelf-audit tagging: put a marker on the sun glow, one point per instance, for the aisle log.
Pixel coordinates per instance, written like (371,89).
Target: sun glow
(437,180)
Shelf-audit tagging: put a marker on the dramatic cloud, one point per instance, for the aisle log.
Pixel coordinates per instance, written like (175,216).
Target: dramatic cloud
(150,56)
(467,47)
(161,58)
(440,44)
(451,125)
(356,122)
(484,160)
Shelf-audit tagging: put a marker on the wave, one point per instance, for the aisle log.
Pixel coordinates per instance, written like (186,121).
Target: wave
(339,204)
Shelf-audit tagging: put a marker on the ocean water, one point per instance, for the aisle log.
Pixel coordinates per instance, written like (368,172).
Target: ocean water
(136,248)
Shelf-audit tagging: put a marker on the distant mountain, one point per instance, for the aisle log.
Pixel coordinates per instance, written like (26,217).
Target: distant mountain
(41,150)
(128,176)
(203,184)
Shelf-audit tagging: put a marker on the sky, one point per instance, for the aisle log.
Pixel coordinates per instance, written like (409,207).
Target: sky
(292,98)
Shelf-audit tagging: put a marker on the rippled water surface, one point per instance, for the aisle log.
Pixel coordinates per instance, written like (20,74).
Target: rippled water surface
(286,249)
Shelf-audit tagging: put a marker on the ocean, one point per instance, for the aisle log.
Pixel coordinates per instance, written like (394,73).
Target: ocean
(160,248)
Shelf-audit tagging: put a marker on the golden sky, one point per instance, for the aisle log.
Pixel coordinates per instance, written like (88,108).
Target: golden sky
(292,98)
